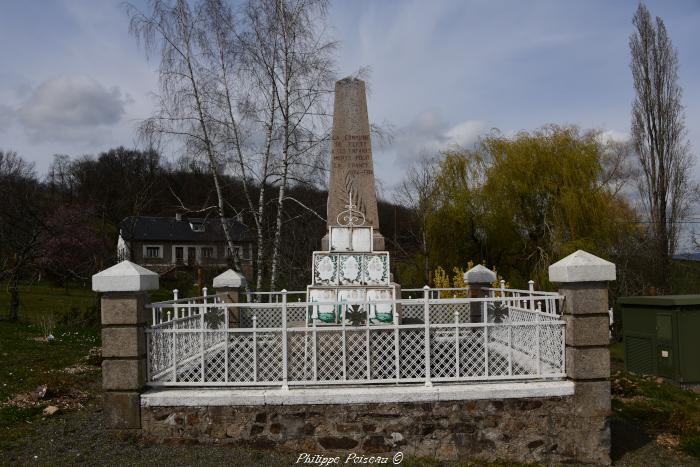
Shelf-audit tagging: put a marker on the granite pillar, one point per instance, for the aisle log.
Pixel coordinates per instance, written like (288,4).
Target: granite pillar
(124,318)
(583,284)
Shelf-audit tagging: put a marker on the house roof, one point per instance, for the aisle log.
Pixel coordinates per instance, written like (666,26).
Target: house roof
(145,228)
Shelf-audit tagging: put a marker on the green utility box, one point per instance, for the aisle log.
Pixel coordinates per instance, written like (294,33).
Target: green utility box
(661,336)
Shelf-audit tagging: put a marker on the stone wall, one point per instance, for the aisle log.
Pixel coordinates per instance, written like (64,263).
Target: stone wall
(538,429)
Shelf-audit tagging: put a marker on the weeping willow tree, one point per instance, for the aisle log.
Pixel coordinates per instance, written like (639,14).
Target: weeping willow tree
(456,221)
(522,202)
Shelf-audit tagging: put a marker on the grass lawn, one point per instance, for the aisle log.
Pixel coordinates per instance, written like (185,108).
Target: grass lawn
(648,411)
(71,306)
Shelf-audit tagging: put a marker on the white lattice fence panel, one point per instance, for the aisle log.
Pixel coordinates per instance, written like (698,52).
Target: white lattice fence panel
(296,314)
(382,355)
(329,348)
(462,309)
(412,311)
(471,353)
(241,351)
(300,356)
(498,359)
(441,313)
(187,344)
(266,317)
(190,371)
(524,346)
(443,353)
(188,351)
(198,348)
(412,353)
(269,356)
(552,346)
(160,353)
(356,353)
(215,359)
(520,315)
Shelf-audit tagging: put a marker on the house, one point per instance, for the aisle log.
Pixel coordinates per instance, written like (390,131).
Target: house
(163,244)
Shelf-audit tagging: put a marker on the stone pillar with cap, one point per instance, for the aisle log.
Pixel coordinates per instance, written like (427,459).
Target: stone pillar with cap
(582,279)
(477,279)
(228,286)
(124,316)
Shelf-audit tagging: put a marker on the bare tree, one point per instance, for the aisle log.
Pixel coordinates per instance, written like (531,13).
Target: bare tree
(658,132)
(618,169)
(177,32)
(303,73)
(241,60)
(272,70)
(246,91)
(418,193)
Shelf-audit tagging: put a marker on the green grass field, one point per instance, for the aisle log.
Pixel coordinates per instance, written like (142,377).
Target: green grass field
(27,360)
(69,306)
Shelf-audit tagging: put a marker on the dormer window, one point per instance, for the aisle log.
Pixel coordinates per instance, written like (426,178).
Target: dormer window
(197,227)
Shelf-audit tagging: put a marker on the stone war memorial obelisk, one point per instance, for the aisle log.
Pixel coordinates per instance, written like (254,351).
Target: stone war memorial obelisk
(352,168)
(352,267)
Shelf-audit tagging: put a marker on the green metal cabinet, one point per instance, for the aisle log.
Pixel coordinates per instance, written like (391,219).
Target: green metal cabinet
(661,336)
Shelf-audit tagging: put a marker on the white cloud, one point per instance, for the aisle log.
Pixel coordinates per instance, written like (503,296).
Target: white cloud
(71,108)
(429,134)
(465,133)
(615,136)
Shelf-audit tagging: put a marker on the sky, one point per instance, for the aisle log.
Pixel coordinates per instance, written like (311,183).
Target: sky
(73,81)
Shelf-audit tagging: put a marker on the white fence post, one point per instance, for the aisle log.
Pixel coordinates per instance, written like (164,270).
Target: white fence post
(201,342)
(285,386)
(426,341)
(314,347)
(175,298)
(344,344)
(457,343)
(226,328)
(397,356)
(255,348)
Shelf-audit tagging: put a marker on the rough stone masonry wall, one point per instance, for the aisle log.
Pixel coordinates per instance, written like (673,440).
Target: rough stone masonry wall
(537,429)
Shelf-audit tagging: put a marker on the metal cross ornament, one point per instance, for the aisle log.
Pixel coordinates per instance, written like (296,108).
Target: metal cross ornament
(351,216)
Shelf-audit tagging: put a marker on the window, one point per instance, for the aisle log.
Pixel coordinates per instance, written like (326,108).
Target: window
(197,227)
(179,253)
(153,252)
(207,252)
(237,249)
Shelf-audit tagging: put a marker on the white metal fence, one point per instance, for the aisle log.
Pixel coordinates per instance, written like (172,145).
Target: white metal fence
(519,335)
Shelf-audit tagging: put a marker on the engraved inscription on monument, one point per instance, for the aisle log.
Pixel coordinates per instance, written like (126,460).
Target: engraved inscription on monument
(352,169)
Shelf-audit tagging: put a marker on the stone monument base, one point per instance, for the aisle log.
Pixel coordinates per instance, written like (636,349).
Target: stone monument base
(543,428)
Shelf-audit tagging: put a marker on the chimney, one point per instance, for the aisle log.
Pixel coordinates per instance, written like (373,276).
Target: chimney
(178,216)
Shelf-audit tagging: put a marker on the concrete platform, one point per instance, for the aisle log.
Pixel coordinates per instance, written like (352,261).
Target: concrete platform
(211,397)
